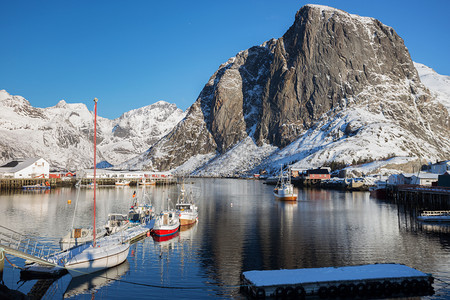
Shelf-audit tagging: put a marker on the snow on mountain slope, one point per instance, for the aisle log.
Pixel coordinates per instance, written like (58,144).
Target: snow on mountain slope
(63,134)
(438,84)
(137,130)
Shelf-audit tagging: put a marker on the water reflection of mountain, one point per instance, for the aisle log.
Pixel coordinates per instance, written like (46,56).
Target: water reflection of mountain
(95,281)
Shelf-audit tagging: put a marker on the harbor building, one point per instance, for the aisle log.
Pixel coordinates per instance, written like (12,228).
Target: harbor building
(25,168)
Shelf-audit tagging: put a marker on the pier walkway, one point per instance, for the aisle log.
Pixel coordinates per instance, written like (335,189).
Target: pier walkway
(46,260)
(26,247)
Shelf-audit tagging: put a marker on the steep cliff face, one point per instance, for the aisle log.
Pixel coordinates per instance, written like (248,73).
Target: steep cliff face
(226,111)
(332,81)
(326,58)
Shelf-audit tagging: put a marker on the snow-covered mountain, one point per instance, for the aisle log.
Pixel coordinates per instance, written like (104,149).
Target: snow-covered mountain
(335,88)
(438,84)
(63,134)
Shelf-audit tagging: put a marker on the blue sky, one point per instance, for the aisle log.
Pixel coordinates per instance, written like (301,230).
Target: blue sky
(130,54)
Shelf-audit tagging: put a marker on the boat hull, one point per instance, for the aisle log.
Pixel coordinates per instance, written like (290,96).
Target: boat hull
(95,259)
(164,231)
(292,197)
(187,221)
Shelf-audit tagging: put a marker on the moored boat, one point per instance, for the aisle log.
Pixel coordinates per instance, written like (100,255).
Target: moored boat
(147,182)
(110,252)
(284,189)
(167,223)
(140,212)
(98,257)
(122,183)
(434,216)
(116,223)
(188,211)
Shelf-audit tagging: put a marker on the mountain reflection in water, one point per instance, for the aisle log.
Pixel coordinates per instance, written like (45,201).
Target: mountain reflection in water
(241,227)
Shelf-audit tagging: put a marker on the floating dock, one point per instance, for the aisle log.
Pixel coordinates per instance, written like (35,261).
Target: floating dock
(369,281)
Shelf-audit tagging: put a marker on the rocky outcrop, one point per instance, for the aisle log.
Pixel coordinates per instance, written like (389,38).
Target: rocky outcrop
(327,57)
(330,66)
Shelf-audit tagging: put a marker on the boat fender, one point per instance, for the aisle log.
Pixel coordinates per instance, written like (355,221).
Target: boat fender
(333,291)
(300,292)
(406,287)
(396,287)
(376,288)
(343,290)
(351,290)
(323,292)
(414,286)
(361,289)
(279,292)
(289,292)
(260,293)
(423,286)
(387,288)
(47,183)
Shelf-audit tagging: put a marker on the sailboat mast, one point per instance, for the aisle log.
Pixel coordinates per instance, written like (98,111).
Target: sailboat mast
(95,162)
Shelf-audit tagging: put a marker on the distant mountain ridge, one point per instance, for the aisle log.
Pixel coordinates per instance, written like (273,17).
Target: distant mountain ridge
(63,134)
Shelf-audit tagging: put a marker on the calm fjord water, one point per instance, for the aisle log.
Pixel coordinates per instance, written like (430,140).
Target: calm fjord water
(241,227)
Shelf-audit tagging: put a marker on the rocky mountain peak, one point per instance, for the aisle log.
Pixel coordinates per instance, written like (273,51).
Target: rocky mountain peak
(329,68)
(326,58)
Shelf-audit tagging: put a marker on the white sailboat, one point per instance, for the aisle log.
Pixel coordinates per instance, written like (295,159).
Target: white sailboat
(105,253)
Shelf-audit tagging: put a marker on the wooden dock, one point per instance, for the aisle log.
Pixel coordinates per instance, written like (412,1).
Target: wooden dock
(369,281)
(419,195)
(9,184)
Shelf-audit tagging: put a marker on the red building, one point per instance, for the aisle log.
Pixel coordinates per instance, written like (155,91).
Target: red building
(320,173)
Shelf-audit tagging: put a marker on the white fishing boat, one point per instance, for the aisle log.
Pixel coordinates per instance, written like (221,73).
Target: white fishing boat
(188,211)
(116,223)
(140,213)
(147,182)
(122,183)
(108,252)
(284,189)
(434,216)
(167,223)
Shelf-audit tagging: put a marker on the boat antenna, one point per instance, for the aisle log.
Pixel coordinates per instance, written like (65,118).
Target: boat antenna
(95,161)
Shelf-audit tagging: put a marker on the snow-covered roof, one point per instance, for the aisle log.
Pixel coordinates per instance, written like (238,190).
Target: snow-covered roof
(427,176)
(16,165)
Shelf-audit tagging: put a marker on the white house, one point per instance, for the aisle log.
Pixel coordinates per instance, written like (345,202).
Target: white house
(397,179)
(25,168)
(420,179)
(424,178)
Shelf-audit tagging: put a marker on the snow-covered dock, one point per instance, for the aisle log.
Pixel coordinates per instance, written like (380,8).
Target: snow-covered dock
(371,281)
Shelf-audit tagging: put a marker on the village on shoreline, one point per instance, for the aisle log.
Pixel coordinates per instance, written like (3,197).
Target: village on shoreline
(24,172)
